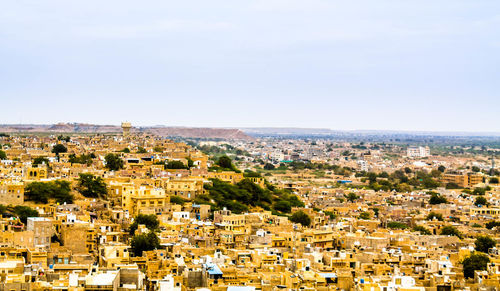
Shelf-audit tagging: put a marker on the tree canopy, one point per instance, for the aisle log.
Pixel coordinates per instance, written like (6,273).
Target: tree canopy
(141,150)
(113,162)
(483,243)
(225,163)
(437,198)
(301,217)
(59,148)
(397,225)
(481,201)
(475,261)
(40,160)
(23,212)
(144,242)
(91,186)
(422,230)
(434,215)
(239,197)
(451,230)
(149,220)
(81,159)
(351,197)
(492,224)
(41,192)
(175,165)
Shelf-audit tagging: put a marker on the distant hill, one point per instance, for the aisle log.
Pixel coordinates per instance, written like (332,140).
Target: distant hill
(294,131)
(190,132)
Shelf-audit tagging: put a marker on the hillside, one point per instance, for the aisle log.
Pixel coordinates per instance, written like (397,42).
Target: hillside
(189,132)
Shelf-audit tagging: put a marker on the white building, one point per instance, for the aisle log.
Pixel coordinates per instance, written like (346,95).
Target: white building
(418,152)
(363,165)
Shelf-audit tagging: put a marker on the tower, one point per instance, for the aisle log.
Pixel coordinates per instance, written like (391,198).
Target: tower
(126,128)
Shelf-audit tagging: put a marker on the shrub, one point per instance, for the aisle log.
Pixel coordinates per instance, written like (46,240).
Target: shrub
(396,225)
(437,198)
(451,231)
(434,215)
(422,230)
(301,217)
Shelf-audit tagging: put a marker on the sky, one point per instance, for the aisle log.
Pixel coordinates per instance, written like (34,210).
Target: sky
(429,65)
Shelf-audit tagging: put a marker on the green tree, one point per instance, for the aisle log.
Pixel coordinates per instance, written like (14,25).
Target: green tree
(40,160)
(3,156)
(384,175)
(351,197)
(225,162)
(251,174)
(451,230)
(91,186)
(494,180)
(190,163)
(434,215)
(484,243)
(396,225)
(452,185)
(82,159)
(258,195)
(59,148)
(372,177)
(475,169)
(126,151)
(269,166)
(3,210)
(62,191)
(23,212)
(141,150)
(437,198)
(430,183)
(441,168)
(364,215)
(144,242)
(64,138)
(113,162)
(331,214)
(422,230)
(480,200)
(41,192)
(283,206)
(474,262)
(175,165)
(149,220)
(177,200)
(301,217)
(479,191)
(492,224)
(436,173)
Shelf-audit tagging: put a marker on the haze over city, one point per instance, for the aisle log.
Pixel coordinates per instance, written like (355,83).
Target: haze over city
(393,65)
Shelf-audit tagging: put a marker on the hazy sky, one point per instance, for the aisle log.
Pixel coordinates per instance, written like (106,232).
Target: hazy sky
(351,64)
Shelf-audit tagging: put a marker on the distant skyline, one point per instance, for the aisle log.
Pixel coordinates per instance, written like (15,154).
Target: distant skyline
(343,65)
